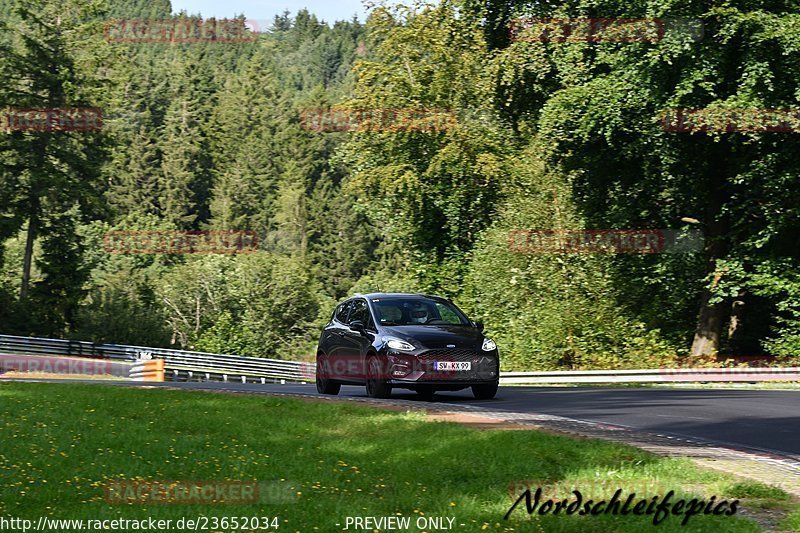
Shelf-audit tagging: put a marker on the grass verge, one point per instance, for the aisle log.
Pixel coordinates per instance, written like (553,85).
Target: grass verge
(62,444)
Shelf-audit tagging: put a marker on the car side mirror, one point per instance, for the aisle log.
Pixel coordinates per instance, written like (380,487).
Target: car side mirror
(357,325)
(480,326)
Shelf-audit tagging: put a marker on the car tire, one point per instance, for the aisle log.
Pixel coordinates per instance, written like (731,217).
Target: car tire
(376,386)
(485,392)
(325,385)
(426,393)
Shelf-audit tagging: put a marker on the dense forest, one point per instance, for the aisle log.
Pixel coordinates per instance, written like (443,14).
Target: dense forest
(549,134)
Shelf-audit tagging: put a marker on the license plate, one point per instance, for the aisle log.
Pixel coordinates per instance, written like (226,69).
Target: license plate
(450,366)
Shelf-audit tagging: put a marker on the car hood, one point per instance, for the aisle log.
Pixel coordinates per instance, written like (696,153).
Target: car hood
(438,336)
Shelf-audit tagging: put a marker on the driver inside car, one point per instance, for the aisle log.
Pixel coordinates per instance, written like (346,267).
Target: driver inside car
(419,315)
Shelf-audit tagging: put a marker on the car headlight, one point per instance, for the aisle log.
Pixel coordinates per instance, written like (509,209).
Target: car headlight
(397,344)
(489,345)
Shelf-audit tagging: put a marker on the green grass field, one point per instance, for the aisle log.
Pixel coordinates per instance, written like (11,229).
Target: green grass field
(61,445)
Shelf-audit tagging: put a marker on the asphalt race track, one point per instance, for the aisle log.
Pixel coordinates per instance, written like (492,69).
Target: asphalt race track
(760,419)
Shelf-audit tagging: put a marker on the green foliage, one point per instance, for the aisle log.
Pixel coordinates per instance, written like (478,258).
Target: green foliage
(57,295)
(49,178)
(199,136)
(261,305)
(431,193)
(552,310)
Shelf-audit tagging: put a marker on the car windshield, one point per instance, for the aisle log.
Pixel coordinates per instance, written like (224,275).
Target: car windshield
(417,312)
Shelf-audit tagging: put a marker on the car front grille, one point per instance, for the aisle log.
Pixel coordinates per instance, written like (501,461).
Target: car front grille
(484,367)
(460,356)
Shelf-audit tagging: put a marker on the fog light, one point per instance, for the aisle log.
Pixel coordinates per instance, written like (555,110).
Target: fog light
(400,371)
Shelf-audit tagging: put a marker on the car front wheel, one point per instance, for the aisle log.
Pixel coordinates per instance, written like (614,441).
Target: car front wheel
(377,386)
(485,392)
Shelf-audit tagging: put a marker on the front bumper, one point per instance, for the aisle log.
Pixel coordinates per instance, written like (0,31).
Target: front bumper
(406,369)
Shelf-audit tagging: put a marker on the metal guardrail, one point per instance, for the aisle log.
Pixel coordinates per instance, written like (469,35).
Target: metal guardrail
(179,365)
(198,366)
(664,375)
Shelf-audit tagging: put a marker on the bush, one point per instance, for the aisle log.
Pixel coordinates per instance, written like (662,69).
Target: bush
(553,311)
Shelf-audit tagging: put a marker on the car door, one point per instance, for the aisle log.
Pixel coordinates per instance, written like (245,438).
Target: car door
(335,342)
(356,344)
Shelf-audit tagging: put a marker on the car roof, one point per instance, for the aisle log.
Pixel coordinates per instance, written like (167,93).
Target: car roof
(378,295)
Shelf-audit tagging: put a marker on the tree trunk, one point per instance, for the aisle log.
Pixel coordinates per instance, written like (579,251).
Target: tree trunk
(34,207)
(28,260)
(736,328)
(711,316)
(709,327)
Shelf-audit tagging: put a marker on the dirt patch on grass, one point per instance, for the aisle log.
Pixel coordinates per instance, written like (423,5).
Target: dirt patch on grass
(474,421)
(477,421)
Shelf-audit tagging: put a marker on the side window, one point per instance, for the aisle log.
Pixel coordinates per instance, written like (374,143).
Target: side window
(360,312)
(341,312)
(448,315)
(390,313)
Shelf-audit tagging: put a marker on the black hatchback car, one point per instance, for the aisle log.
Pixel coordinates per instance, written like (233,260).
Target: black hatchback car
(410,341)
